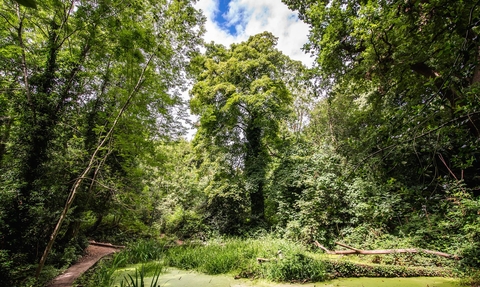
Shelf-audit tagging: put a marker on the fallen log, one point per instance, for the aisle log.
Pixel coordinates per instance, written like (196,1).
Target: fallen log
(442,254)
(382,251)
(261,260)
(349,247)
(106,245)
(323,247)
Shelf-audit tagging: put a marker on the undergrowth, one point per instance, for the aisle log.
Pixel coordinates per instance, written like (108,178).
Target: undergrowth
(280,260)
(147,252)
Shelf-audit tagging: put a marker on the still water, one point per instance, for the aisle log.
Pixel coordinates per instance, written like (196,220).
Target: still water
(180,278)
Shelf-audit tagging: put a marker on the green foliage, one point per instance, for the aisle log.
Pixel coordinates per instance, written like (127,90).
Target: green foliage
(241,96)
(175,182)
(400,111)
(183,223)
(315,199)
(297,267)
(6,264)
(387,157)
(143,251)
(463,215)
(471,277)
(229,255)
(102,274)
(211,259)
(66,70)
(226,211)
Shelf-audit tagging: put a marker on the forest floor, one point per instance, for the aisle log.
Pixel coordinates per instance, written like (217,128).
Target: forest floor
(93,253)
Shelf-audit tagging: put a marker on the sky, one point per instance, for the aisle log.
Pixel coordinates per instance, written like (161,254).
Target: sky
(233,21)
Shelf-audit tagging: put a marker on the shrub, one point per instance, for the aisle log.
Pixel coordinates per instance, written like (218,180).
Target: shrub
(298,267)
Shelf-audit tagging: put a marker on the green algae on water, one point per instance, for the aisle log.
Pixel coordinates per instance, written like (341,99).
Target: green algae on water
(180,278)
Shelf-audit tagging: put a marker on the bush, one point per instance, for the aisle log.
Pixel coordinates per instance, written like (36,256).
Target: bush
(298,267)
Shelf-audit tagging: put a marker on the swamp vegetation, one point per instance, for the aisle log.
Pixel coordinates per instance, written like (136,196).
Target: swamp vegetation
(376,146)
(237,260)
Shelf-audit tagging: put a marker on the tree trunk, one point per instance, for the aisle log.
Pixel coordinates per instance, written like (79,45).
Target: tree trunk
(257,202)
(255,172)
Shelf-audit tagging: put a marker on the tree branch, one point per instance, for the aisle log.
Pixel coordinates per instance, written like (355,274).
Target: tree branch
(413,139)
(24,61)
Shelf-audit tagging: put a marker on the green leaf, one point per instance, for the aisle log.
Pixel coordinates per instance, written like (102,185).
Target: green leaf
(27,3)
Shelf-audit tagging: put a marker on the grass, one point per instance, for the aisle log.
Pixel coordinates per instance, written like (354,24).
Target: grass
(299,268)
(139,279)
(230,255)
(146,252)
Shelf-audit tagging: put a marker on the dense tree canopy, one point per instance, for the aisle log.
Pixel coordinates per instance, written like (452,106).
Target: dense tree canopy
(379,141)
(406,71)
(67,68)
(402,104)
(241,96)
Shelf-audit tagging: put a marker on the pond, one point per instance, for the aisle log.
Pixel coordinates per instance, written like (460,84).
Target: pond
(180,278)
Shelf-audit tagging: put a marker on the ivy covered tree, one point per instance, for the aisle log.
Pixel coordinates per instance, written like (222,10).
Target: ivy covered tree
(241,97)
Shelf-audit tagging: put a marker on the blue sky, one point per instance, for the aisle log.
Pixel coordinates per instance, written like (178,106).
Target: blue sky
(221,19)
(233,21)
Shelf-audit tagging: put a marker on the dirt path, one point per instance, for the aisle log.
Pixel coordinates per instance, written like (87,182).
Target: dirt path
(93,253)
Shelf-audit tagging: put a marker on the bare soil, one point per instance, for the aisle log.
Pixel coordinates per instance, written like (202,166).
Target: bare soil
(93,253)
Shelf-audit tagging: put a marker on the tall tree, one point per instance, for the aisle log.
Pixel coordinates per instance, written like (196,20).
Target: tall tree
(241,97)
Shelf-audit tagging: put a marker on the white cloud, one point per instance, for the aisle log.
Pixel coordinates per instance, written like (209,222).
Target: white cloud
(214,32)
(251,17)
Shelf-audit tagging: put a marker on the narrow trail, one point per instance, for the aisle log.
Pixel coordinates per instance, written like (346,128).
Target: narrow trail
(94,252)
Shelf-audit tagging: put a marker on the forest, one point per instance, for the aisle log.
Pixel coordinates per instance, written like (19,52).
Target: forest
(377,145)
